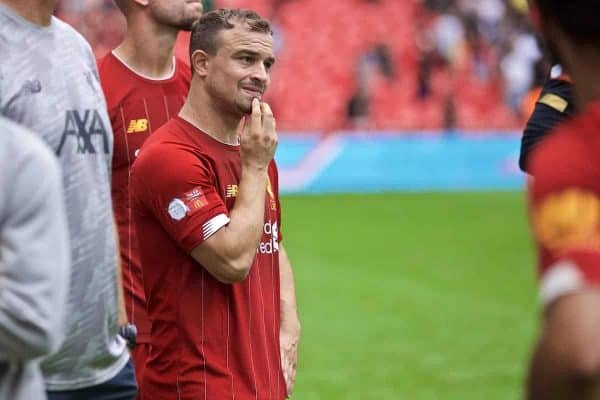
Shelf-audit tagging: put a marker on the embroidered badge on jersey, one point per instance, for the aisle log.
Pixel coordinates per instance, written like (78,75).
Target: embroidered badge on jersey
(568,220)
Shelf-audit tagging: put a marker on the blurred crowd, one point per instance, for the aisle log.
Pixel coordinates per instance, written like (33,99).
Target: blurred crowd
(491,40)
(381,64)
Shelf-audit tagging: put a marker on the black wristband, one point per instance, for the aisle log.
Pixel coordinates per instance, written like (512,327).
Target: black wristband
(129,333)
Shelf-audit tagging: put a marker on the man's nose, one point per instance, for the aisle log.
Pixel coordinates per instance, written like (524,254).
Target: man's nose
(259,73)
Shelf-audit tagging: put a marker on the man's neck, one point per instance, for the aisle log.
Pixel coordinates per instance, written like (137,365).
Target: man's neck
(583,63)
(203,114)
(38,12)
(589,89)
(148,47)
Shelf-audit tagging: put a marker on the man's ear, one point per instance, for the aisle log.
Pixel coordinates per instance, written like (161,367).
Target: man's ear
(143,3)
(199,62)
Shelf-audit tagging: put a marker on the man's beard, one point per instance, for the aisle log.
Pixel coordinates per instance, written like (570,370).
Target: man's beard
(182,24)
(225,103)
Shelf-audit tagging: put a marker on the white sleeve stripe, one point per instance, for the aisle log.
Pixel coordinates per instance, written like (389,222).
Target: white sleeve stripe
(213,225)
(562,278)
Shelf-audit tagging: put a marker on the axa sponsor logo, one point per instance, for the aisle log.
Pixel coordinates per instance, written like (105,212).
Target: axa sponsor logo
(87,130)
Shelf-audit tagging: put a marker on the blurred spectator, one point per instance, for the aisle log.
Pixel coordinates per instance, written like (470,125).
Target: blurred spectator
(490,14)
(381,56)
(359,109)
(486,45)
(518,68)
(450,113)
(449,34)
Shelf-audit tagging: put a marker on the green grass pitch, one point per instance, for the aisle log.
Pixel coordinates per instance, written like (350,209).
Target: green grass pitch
(412,296)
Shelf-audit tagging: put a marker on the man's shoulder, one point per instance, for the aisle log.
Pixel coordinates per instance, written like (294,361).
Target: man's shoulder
(566,157)
(165,143)
(67,32)
(116,82)
(105,63)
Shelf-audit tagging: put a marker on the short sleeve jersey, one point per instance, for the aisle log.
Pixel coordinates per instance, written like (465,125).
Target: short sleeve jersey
(565,205)
(49,83)
(209,340)
(137,106)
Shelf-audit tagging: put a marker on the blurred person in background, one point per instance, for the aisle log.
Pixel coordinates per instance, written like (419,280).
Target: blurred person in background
(518,68)
(49,83)
(449,35)
(565,207)
(145,85)
(218,280)
(370,66)
(34,261)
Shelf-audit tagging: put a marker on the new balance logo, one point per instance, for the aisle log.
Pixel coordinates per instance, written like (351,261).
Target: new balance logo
(138,125)
(82,129)
(232,191)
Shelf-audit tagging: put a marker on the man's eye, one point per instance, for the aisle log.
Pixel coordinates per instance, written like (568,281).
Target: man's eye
(246,60)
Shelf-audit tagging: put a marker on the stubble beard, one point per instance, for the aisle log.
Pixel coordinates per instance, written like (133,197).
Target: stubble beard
(226,105)
(182,23)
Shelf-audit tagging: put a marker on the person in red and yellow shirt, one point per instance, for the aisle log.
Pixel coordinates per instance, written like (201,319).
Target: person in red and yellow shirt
(565,213)
(145,86)
(219,283)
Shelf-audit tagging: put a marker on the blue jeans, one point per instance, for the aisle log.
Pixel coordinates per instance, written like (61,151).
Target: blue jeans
(121,387)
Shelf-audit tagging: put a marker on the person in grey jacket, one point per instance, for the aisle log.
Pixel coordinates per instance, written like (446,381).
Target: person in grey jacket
(49,83)
(34,261)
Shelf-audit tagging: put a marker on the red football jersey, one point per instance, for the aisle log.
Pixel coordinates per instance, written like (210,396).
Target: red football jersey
(137,106)
(209,340)
(565,205)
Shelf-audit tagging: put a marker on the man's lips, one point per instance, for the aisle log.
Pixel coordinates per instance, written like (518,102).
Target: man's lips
(253,91)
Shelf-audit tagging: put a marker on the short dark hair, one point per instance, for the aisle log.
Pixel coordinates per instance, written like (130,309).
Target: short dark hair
(205,31)
(577,18)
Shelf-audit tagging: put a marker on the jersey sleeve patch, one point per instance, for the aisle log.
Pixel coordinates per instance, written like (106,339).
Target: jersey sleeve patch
(568,220)
(553,101)
(213,225)
(190,203)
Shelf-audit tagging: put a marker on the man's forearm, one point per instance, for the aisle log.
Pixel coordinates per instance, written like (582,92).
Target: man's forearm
(229,253)
(247,216)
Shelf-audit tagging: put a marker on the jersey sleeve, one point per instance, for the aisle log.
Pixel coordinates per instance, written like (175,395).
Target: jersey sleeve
(565,216)
(553,106)
(178,189)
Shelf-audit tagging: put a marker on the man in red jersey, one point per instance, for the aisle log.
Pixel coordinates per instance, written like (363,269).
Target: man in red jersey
(144,85)
(218,281)
(565,207)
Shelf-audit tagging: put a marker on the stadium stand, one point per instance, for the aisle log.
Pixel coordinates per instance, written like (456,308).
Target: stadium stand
(380,64)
